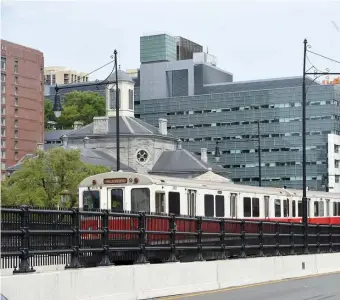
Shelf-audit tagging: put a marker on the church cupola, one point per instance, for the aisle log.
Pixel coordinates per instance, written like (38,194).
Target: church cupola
(126,95)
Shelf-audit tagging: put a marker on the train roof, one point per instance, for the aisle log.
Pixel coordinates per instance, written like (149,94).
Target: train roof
(147,179)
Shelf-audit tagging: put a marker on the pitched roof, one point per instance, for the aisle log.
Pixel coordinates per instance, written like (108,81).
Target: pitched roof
(102,157)
(211,176)
(183,161)
(55,134)
(128,126)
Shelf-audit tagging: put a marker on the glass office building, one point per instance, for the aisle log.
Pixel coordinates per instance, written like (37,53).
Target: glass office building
(229,113)
(160,47)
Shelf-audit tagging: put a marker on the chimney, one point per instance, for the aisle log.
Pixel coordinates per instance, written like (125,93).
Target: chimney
(179,144)
(65,139)
(100,125)
(86,141)
(204,155)
(77,125)
(40,146)
(163,126)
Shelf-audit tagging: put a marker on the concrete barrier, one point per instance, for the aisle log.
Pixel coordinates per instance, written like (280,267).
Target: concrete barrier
(150,281)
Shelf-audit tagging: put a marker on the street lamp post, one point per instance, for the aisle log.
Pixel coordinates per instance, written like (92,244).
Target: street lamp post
(259,152)
(57,106)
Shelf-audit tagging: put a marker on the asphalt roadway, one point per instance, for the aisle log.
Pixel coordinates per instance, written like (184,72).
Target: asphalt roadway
(319,287)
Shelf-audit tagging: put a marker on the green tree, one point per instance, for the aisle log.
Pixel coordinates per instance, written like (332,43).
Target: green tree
(48,112)
(81,106)
(42,179)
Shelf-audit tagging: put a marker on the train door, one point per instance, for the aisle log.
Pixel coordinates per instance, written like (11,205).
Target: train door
(191,202)
(115,199)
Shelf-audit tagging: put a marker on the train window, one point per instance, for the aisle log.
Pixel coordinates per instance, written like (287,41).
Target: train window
(91,200)
(233,207)
(256,207)
(209,205)
(219,206)
(299,208)
(277,208)
(316,208)
(117,199)
(286,208)
(327,208)
(293,208)
(160,202)
(336,208)
(266,206)
(174,203)
(140,199)
(246,207)
(321,209)
(191,197)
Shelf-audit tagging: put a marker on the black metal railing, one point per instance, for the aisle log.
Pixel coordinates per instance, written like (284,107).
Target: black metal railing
(32,237)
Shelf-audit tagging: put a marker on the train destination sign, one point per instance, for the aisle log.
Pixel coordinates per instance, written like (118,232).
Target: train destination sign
(115,180)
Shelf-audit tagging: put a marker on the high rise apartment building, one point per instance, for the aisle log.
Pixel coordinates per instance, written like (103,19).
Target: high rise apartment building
(22,102)
(63,75)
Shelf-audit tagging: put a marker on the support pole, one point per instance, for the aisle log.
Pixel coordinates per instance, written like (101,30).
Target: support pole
(117,114)
(304,184)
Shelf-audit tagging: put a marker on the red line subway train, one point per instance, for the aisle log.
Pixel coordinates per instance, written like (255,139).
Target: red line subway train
(133,192)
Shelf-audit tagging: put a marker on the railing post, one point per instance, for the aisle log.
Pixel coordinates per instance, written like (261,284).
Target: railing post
(305,232)
(277,239)
(292,239)
(260,232)
(318,250)
(199,256)
(142,239)
(243,239)
(330,238)
(173,229)
(74,263)
(24,265)
(105,239)
(223,254)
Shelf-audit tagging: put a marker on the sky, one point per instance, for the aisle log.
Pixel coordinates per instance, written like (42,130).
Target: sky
(251,39)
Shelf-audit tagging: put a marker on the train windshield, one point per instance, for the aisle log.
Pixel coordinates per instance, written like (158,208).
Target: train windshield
(91,200)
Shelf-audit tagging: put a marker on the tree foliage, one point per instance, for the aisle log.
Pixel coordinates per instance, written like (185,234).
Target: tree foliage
(41,180)
(77,106)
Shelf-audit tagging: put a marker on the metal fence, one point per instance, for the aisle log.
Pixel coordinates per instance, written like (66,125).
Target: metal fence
(33,237)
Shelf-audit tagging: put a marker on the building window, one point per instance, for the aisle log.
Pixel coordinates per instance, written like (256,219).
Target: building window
(113,99)
(3,99)
(15,65)
(130,99)
(3,63)
(3,121)
(3,166)
(16,133)
(16,101)
(15,123)
(16,112)
(142,156)
(3,154)
(3,88)
(3,132)
(3,110)
(15,79)
(16,155)
(337,177)
(3,77)
(16,90)
(15,144)
(336,163)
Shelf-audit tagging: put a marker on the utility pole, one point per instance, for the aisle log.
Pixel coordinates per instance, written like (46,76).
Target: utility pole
(117,115)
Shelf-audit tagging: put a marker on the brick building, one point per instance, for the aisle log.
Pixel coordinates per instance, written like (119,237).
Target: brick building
(22,102)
